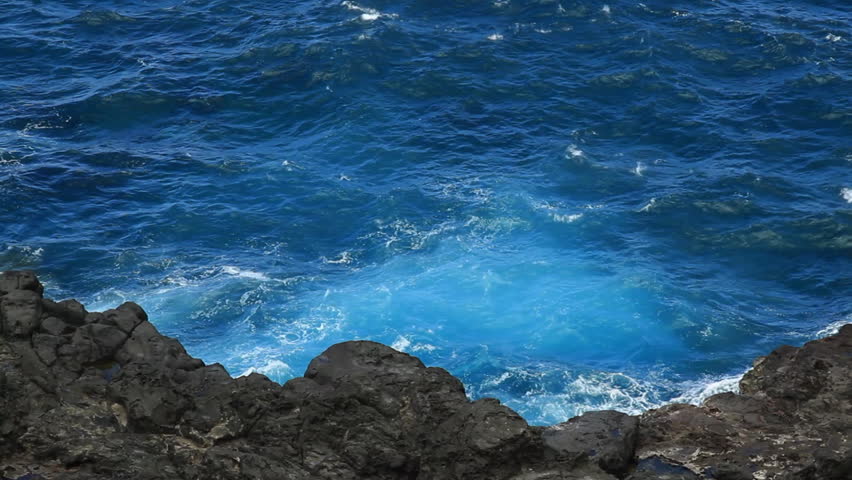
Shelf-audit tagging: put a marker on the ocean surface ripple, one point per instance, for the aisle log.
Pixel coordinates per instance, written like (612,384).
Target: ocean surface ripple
(569,205)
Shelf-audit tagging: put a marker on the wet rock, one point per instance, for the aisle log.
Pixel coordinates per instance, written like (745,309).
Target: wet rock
(105,395)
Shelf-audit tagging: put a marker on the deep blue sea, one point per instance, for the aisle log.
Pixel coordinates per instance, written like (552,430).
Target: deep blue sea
(570,205)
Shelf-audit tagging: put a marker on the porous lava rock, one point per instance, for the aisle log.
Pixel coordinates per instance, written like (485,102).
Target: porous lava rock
(106,396)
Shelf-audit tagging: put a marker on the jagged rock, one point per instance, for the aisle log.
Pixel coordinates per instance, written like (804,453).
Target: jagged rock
(792,420)
(106,396)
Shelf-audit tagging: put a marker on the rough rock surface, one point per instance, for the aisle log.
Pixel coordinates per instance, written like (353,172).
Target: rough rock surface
(105,396)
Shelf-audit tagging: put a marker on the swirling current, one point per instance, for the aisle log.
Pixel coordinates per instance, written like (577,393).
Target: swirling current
(571,205)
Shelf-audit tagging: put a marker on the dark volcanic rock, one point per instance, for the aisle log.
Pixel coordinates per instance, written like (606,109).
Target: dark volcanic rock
(105,396)
(607,438)
(792,420)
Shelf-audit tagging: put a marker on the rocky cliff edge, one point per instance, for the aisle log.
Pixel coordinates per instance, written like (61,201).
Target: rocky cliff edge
(87,395)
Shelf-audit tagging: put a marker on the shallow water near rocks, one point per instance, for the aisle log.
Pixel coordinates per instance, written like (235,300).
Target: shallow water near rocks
(570,206)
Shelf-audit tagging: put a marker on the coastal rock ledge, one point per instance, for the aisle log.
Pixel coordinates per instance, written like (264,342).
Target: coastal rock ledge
(105,396)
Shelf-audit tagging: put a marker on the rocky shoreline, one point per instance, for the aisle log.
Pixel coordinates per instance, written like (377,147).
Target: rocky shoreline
(105,396)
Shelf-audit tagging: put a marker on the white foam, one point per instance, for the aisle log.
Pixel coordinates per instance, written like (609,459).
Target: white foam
(495,37)
(640,167)
(403,234)
(846,193)
(313,328)
(107,299)
(598,391)
(566,218)
(290,165)
(606,10)
(581,393)
(178,280)
(404,344)
(344,258)
(633,398)
(700,391)
(468,190)
(273,367)
(401,343)
(238,272)
(833,38)
(649,205)
(833,328)
(250,274)
(493,382)
(573,151)
(553,208)
(424,347)
(43,125)
(367,14)
(30,253)
(9,158)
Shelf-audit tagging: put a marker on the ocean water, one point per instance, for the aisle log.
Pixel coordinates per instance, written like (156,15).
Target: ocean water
(571,205)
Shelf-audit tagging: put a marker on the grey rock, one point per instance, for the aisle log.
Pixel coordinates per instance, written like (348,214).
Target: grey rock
(126,317)
(55,326)
(97,343)
(70,310)
(46,346)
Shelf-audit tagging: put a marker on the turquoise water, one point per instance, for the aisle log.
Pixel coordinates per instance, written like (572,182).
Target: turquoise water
(570,206)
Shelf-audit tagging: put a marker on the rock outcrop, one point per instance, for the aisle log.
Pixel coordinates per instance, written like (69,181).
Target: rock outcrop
(105,396)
